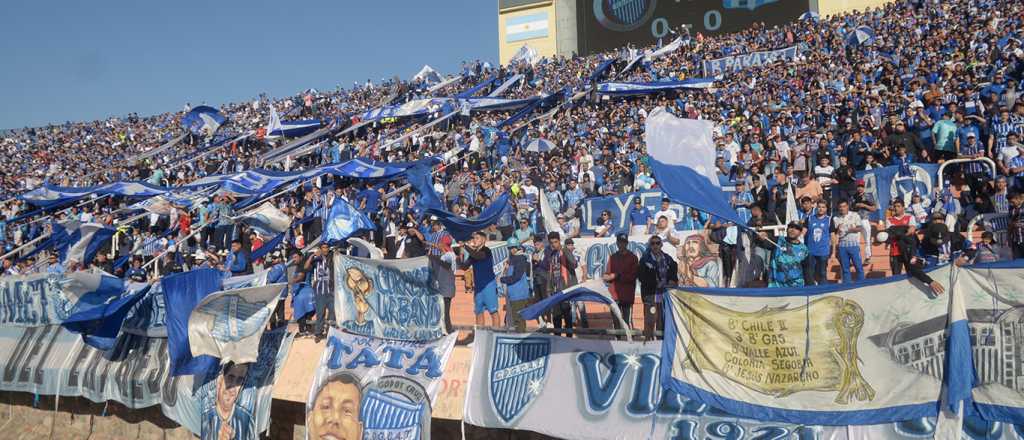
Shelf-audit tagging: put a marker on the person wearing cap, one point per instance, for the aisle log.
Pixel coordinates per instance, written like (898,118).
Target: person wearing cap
(972,149)
(621,275)
(443,268)
(640,218)
(988,251)
(411,244)
(516,279)
(478,256)
(787,265)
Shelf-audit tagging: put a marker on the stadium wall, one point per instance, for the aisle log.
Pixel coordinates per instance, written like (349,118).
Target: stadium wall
(549,27)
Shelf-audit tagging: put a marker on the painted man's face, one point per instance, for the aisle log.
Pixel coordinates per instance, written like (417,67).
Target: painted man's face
(335,413)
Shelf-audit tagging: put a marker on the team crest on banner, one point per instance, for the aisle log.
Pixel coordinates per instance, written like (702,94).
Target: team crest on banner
(370,388)
(519,368)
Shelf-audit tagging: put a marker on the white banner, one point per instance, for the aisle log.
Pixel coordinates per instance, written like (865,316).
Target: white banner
(391,299)
(823,357)
(228,324)
(369,388)
(594,389)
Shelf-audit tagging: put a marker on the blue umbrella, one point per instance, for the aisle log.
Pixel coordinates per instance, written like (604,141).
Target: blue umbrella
(859,36)
(540,146)
(810,15)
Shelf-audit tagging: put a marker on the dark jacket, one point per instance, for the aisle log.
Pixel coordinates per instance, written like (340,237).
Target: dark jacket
(648,274)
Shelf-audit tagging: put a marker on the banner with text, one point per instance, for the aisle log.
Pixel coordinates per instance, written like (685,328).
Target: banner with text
(517,381)
(50,360)
(370,388)
(619,207)
(743,61)
(391,299)
(815,357)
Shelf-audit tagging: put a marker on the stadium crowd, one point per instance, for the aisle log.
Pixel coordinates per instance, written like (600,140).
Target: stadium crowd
(940,81)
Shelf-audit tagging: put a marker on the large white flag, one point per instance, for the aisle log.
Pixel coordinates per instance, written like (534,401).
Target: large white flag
(229,324)
(678,141)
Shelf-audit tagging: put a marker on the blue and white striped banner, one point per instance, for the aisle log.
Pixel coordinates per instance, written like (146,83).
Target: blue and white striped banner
(526,27)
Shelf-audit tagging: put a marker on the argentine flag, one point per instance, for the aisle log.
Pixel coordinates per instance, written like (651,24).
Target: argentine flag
(682,158)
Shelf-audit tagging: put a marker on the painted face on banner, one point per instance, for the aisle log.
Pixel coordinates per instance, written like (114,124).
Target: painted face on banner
(335,412)
(229,385)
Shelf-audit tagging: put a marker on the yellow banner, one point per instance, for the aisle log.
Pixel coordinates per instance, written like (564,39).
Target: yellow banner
(769,350)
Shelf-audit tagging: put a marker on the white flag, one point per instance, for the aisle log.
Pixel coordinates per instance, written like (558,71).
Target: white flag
(228,324)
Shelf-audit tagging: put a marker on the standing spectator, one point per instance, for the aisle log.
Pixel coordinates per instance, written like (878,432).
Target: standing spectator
(657,272)
(639,217)
(319,264)
(621,275)
(848,231)
(819,243)
(558,266)
(787,266)
(1016,227)
(518,283)
(898,225)
(477,255)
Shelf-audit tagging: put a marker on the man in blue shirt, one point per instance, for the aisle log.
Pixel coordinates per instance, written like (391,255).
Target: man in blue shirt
(485,293)
(238,260)
(818,239)
(639,217)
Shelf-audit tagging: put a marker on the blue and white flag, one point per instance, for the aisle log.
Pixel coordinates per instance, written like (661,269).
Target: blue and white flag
(462,228)
(505,85)
(203,120)
(647,88)
(681,167)
(277,128)
(228,324)
(345,221)
(665,50)
(182,293)
(753,59)
(99,315)
(266,220)
(893,182)
(859,36)
(85,241)
(525,54)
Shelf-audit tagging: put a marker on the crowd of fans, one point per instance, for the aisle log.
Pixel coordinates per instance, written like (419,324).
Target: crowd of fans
(940,82)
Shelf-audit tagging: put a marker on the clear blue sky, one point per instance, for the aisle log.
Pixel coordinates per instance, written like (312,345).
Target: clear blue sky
(83,60)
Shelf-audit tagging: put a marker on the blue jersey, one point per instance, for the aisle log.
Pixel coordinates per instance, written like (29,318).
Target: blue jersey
(818,238)
(639,217)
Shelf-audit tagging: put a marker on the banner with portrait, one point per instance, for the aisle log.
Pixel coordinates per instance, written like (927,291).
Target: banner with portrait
(50,360)
(612,389)
(371,388)
(391,299)
(827,354)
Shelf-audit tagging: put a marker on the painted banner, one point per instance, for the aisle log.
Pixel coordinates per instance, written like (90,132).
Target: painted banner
(620,205)
(893,182)
(370,388)
(593,389)
(753,59)
(50,360)
(817,355)
(392,299)
(234,402)
(993,296)
(34,300)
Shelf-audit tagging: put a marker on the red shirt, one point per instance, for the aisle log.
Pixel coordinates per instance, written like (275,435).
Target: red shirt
(906,220)
(624,265)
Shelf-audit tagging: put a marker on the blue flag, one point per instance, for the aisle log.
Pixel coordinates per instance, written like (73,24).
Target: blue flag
(345,221)
(182,293)
(99,320)
(462,228)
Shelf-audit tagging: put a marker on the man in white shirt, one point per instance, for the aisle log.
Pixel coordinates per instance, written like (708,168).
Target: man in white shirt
(667,212)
